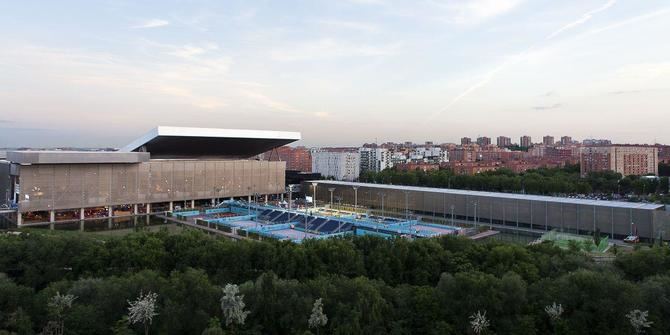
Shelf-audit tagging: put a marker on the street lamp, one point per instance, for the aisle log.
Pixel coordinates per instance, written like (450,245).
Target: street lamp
(314,197)
(355,198)
(452,215)
(406,205)
(475,204)
(331,190)
(290,197)
(383,195)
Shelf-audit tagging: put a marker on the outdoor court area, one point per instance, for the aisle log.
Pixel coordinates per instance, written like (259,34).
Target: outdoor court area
(311,223)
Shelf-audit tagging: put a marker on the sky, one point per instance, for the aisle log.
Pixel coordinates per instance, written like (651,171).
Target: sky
(346,72)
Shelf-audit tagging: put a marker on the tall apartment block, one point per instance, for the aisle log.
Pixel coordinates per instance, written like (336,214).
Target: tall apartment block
(375,159)
(339,163)
(548,140)
(483,141)
(566,140)
(503,141)
(624,159)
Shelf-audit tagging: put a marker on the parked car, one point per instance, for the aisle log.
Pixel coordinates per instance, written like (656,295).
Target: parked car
(632,239)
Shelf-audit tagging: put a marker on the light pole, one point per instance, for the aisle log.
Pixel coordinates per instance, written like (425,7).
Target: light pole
(406,205)
(452,215)
(331,190)
(290,197)
(383,195)
(475,204)
(314,197)
(355,198)
(249,200)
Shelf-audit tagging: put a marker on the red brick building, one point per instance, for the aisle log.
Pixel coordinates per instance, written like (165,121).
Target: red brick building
(298,158)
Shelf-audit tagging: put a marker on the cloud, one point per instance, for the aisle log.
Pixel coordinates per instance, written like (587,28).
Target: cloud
(645,71)
(350,25)
(328,48)
(523,55)
(554,106)
(476,11)
(622,92)
(151,23)
(583,19)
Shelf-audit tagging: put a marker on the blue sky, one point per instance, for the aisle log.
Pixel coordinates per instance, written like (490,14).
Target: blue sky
(99,73)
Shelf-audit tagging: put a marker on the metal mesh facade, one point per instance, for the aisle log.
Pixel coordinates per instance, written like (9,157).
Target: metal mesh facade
(538,215)
(71,186)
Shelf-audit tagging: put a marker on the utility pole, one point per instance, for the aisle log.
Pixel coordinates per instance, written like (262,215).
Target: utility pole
(331,190)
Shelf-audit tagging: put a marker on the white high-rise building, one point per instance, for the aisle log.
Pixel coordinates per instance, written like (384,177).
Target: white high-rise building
(339,163)
(375,159)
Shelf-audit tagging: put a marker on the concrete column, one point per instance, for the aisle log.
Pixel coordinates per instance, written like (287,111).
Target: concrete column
(192,204)
(110,211)
(82,214)
(109,223)
(266,199)
(135,221)
(135,210)
(52,216)
(213,202)
(249,198)
(171,206)
(148,207)
(281,196)
(19,219)
(81,225)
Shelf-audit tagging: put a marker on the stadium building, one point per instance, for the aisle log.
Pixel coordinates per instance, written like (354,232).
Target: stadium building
(502,211)
(168,168)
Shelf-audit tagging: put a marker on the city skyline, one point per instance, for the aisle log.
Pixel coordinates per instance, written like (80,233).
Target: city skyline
(96,74)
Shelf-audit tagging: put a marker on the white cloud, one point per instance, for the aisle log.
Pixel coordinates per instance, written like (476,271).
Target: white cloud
(644,71)
(476,11)
(350,25)
(151,23)
(328,48)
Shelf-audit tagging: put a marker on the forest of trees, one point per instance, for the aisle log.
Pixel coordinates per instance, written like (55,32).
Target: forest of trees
(546,181)
(188,283)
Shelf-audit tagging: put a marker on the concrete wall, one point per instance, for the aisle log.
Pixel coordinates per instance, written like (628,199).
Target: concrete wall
(71,186)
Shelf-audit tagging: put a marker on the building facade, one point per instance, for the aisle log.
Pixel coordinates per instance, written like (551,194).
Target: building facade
(337,163)
(530,213)
(375,159)
(484,141)
(526,141)
(168,167)
(624,159)
(503,141)
(548,140)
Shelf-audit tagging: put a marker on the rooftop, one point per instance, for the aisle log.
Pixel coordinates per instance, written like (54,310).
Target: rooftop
(184,142)
(75,157)
(512,196)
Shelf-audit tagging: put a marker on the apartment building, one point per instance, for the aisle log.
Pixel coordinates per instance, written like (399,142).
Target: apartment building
(624,159)
(375,159)
(339,163)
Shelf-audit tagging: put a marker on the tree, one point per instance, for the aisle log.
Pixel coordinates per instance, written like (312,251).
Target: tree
(318,319)
(214,327)
(638,320)
(232,306)
(143,310)
(479,322)
(58,305)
